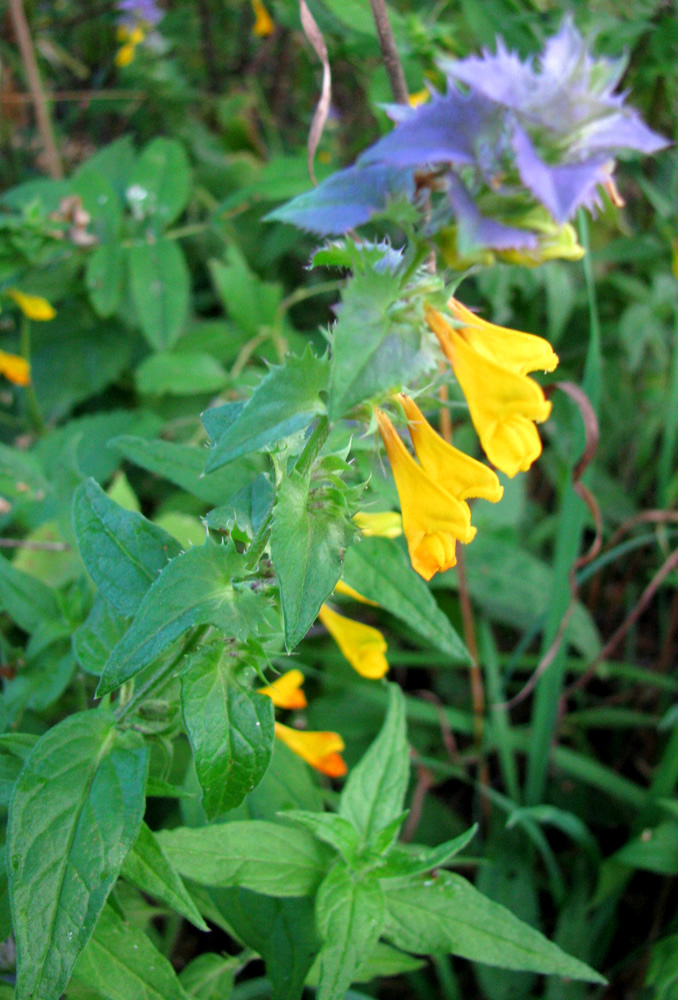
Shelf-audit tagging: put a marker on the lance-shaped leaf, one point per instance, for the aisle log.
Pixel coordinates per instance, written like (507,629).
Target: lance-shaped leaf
(148,869)
(447,914)
(28,601)
(230,729)
(350,915)
(93,641)
(122,551)
(379,569)
(160,283)
(374,794)
(308,539)
(75,812)
(373,350)
(265,857)
(405,861)
(120,962)
(160,181)
(199,587)
(285,401)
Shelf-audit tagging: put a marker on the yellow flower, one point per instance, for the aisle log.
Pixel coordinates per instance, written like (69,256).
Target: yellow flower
(519,352)
(263,25)
(32,306)
(321,750)
(433,520)
(456,472)
(363,646)
(382,524)
(285,691)
(504,403)
(347,591)
(14,368)
(125,55)
(418,98)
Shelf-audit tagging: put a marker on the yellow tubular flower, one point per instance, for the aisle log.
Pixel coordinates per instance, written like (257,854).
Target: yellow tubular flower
(363,646)
(347,591)
(321,750)
(384,524)
(263,25)
(503,404)
(459,474)
(15,369)
(285,691)
(32,306)
(433,520)
(519,352)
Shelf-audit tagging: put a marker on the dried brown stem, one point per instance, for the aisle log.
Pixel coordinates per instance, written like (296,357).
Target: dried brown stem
(44,122)
(389,52)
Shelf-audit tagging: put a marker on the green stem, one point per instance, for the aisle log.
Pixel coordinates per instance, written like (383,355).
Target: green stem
(162,676)
(670,436)
(313,446)
(35,416)
(568,543)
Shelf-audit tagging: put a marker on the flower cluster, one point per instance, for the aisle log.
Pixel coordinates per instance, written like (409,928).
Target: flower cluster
(491,364)
(136,18)
(516,152)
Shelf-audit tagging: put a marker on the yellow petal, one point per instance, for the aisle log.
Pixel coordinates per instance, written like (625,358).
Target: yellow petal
(346,591)
(125,55)
(519,352)
(432,518)
(363,646)
(419,97)
(263,25)
(321,750)
(382,524)
(502,403)
(459,474)
(137,35)
(285,691)
(32,306)
(15,368)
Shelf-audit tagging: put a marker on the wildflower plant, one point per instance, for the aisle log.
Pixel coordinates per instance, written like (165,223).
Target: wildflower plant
(169,638)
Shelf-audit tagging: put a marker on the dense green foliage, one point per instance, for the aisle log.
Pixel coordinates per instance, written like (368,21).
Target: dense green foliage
(179,485)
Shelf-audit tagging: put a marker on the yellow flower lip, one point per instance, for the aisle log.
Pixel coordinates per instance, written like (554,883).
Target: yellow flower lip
(263,24)
(458,473)
(363,646)
(322,750)
(379,524)
(503,401)
(32,306)
(285,691)
(15,368)
(433,519)
(347,591)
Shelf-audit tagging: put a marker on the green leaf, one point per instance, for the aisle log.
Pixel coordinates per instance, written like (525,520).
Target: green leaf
(285,401)
(308,539)
(249,508)
(104,278)
(373,351)
(148,869)
(120,963)
(159,185)
(383,961)
(250,302)
(282,931)
(93,641)
(100,201)
(331,829)
(662,973)
(655,850)
(160,283)
(196,588)
(350,916)
(76,810)
(265,857)
(122,551)
(379,569)
(405,861)
(26,600)
(14,750)
(185,467)
(184,374)
(229,727)
(210,976)
(447,914)
(374,793)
